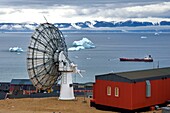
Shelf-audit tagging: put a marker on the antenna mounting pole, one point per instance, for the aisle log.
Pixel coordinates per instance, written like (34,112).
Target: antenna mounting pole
(45,19)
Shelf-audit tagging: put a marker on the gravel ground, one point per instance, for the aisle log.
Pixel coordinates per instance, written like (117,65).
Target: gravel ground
(49,105)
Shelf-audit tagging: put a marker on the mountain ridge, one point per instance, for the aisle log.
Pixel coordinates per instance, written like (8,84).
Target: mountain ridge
(87,25)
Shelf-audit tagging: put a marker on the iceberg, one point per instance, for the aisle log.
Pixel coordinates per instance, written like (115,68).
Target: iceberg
(156,34)
(76,48)
(84,43)
(143,37)
(15,49)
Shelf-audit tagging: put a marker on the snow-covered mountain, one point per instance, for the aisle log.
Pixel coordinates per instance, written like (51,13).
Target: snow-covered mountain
(17,27)
(87,25)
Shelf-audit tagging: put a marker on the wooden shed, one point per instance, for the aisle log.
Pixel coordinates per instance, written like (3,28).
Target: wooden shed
(132,90)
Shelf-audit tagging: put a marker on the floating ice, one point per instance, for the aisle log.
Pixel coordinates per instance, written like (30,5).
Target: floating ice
(84,43)
(75,48)
(143,37)
(88,58)
(15,49)
(156,34)
(76,57)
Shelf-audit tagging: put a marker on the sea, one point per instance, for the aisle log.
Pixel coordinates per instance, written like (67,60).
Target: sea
(102,59)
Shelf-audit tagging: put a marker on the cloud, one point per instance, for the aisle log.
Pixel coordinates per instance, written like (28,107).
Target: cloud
(50,3)
(2,12)
(107,10)
(150,10)
(135,11)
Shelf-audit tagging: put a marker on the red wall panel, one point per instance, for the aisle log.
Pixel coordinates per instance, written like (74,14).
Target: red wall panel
(124,99)
(94,91)
(167,88)
(132,95)
(160,93)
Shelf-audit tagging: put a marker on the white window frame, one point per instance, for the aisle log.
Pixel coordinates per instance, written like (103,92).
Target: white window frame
(109,90)
(116,91)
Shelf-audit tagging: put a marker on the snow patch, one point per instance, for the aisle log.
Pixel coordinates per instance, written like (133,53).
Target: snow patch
(4,27)
(19,27)
(75,26)
(31,27)
(91,24)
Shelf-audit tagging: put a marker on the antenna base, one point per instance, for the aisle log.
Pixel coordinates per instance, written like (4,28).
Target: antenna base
(66,90)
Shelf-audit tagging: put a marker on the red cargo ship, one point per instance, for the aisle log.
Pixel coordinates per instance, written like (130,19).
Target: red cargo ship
(146,59)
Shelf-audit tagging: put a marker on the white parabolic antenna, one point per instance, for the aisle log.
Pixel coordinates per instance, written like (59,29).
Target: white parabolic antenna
(48,61)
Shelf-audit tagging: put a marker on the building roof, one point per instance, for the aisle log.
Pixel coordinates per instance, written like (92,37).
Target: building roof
(5,83)
(2,95)
(21,82)
(136,76)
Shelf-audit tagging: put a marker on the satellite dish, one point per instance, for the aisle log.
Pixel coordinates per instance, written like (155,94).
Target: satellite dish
(47,60)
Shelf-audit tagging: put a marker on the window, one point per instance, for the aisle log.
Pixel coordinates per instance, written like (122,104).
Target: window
(116,92)
(109,90)
(148,88)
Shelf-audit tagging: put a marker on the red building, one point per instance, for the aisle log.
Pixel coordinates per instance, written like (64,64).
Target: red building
(132,90)
(21,86)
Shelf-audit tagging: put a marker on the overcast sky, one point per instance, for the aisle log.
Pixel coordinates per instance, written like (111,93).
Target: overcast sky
(83,10)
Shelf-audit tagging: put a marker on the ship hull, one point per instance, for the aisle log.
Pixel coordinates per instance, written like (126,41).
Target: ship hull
(136,60)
